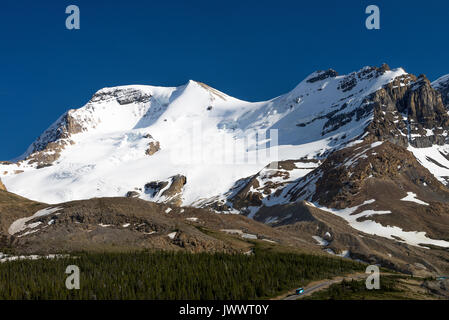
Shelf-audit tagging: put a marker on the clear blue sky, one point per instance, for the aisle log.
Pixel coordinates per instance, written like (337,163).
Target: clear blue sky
(250,49)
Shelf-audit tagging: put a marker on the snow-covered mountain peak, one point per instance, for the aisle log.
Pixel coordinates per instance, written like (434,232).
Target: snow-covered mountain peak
(102,149)
(129,107)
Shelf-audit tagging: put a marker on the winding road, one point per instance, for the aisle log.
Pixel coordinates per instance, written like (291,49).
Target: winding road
(323,284)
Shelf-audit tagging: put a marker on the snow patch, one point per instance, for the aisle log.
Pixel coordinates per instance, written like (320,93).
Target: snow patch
(172,235)
(320,241)
(21,224)
(412,198)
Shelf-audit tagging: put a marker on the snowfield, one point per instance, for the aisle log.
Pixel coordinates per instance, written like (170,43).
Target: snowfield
(204,134)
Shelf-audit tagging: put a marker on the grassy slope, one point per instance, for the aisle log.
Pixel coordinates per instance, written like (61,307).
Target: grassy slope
(13,207)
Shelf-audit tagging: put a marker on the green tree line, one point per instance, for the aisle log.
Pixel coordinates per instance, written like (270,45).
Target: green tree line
(168,275)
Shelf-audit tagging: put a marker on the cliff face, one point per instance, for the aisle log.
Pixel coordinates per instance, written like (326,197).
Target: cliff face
(409,111)
(425,104)
(2,186)
(48,147)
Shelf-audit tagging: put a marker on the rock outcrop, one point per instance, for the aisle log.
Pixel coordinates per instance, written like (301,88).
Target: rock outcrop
(167,191)
(47,148)
(2,186)
(122,95)
(425,106)
(322,75)
(153,147)
(409,111)
(132,194)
